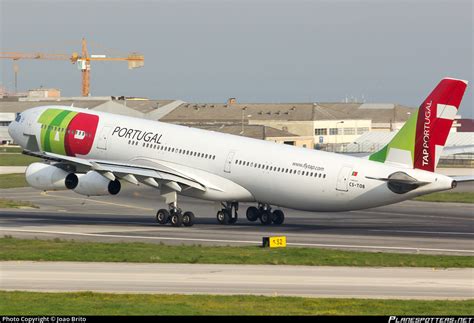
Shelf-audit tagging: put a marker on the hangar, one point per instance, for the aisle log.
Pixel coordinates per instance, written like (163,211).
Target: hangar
(328,126)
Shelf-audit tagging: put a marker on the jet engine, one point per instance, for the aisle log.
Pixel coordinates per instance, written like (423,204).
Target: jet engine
(94,184)
(49,177)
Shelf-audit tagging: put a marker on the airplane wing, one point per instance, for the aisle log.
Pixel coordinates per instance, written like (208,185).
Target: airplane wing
(154,176)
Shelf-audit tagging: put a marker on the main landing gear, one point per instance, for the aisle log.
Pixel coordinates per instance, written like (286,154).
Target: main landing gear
(265,214)
(228,215)
(175,216)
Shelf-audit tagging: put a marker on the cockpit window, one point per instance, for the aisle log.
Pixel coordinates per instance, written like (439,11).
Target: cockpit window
(18,117)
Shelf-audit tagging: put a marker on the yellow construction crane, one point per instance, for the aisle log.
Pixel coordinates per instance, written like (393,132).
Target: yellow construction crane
(83,61)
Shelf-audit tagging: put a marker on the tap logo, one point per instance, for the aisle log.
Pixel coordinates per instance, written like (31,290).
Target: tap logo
(67,132)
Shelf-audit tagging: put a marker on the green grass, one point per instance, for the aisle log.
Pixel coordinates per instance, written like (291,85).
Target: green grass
(12,180)
(61,250)
(458,197)
(87,303)
(10,149)
(4,203)
(16,159)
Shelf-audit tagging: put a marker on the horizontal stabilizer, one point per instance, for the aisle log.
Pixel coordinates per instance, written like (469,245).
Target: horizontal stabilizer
(460,179)
(400,182)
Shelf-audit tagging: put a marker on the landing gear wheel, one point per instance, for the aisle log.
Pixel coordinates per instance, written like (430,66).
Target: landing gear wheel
(223,217)
(266,217)
(252,214)
(162,216)
(278,217)
(176,219)
(188,219)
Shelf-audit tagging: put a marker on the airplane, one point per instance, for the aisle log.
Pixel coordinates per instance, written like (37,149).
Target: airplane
(93,153)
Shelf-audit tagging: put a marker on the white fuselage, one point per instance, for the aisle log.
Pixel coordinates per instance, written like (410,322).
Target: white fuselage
(244,169)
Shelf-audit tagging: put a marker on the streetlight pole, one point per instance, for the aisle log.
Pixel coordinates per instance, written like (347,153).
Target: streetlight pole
(337,133)
(243,109)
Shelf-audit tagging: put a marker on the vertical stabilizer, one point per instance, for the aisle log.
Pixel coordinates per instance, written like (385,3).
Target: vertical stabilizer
(420,142)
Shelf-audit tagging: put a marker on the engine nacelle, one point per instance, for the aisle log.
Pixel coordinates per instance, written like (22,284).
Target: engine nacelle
(94,184)
(50,178)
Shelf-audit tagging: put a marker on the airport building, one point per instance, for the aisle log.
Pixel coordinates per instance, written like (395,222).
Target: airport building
(5,119)
(328,126)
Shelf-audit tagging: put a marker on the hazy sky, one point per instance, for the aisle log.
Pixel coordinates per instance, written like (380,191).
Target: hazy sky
(257,51)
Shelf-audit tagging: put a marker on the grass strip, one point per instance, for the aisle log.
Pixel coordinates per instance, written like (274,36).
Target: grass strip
(12,181)
(88,303)
(61,250)
(10,149)
(17,159)
(9,204)
(458,197)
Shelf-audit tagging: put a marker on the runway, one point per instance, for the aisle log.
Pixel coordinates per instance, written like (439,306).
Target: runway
(412,227)
(350,282)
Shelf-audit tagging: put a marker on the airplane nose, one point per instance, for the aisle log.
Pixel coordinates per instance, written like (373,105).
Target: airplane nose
(14,130)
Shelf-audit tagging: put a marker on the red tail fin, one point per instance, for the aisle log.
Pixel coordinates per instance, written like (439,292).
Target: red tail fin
(435,117)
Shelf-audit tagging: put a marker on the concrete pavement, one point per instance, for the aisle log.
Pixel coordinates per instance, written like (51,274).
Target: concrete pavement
(351,282)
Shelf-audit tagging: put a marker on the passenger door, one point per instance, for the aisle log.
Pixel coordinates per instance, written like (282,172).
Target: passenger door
(102,140)
(228,161)
(343,179)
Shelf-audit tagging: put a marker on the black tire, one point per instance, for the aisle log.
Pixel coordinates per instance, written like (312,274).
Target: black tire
(278,217)
(188,219)
(266,217)
(223,217)
(176,219)
(162,216)
(252,214)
